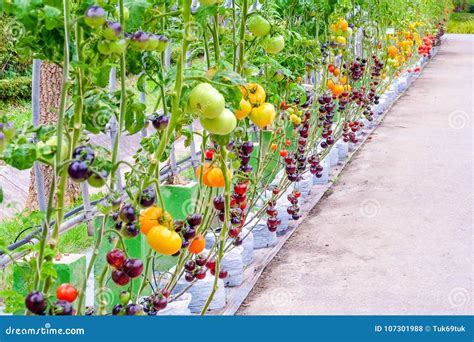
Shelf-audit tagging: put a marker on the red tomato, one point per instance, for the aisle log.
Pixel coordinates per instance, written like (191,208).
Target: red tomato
(66,292)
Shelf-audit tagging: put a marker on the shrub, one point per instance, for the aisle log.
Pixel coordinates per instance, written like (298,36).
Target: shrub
(15,88)
(461,23)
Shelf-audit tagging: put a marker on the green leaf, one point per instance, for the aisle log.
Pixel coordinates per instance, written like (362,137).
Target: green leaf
(135,116)
(13,301)
(137,9)
(101,75)
(52,17)
(21,156)
(48,270)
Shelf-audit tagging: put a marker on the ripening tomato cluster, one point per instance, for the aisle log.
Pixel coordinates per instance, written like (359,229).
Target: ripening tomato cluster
(37,303)
(427,45)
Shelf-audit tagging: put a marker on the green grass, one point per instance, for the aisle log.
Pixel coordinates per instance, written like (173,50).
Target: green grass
(19,112)
(73,241)
(461,22)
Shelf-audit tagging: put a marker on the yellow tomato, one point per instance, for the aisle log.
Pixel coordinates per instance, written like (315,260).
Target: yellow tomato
(295,119)
(164,240)
(244,109)
(341,40)
(254,93)
(263,115)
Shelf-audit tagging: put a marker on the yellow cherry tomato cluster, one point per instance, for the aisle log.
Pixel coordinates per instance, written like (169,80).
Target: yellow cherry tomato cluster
(253,105)
(295,115)
(341,32)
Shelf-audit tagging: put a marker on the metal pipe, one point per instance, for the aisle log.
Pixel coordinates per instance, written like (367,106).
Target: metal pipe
(66,226)
(35,111)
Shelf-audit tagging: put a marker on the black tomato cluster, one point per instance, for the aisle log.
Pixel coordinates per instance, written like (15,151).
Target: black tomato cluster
(124,268)
(126,220)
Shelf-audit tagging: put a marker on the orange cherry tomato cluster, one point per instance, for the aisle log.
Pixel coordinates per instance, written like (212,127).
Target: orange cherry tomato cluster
(212,176)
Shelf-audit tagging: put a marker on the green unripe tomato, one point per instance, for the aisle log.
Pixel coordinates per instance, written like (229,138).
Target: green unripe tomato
(273,45)
(94,17)
(235,164)
(239,132)
(104,47)
(118,46)
(206,101)
(348,32)
(258,25)
(124,297)
(153,42)
(249,37)
(162,43)
(126,12)
(278,76)
(98,180)
(224,124)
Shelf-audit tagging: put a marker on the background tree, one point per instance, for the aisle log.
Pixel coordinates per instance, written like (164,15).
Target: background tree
(50,90)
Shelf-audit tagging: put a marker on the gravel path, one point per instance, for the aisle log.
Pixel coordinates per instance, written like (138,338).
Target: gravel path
(394,236)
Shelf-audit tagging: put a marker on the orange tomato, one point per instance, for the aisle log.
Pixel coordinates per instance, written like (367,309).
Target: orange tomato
(330,84)
(336,72)
(392,51)
(273,146)
(204,176)
(343,25)
(197,245)
(338,90)
(216,178)
(149,218)
(343,80)
(212,176)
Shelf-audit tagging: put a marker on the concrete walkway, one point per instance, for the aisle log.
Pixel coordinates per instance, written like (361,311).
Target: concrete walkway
(395,234)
